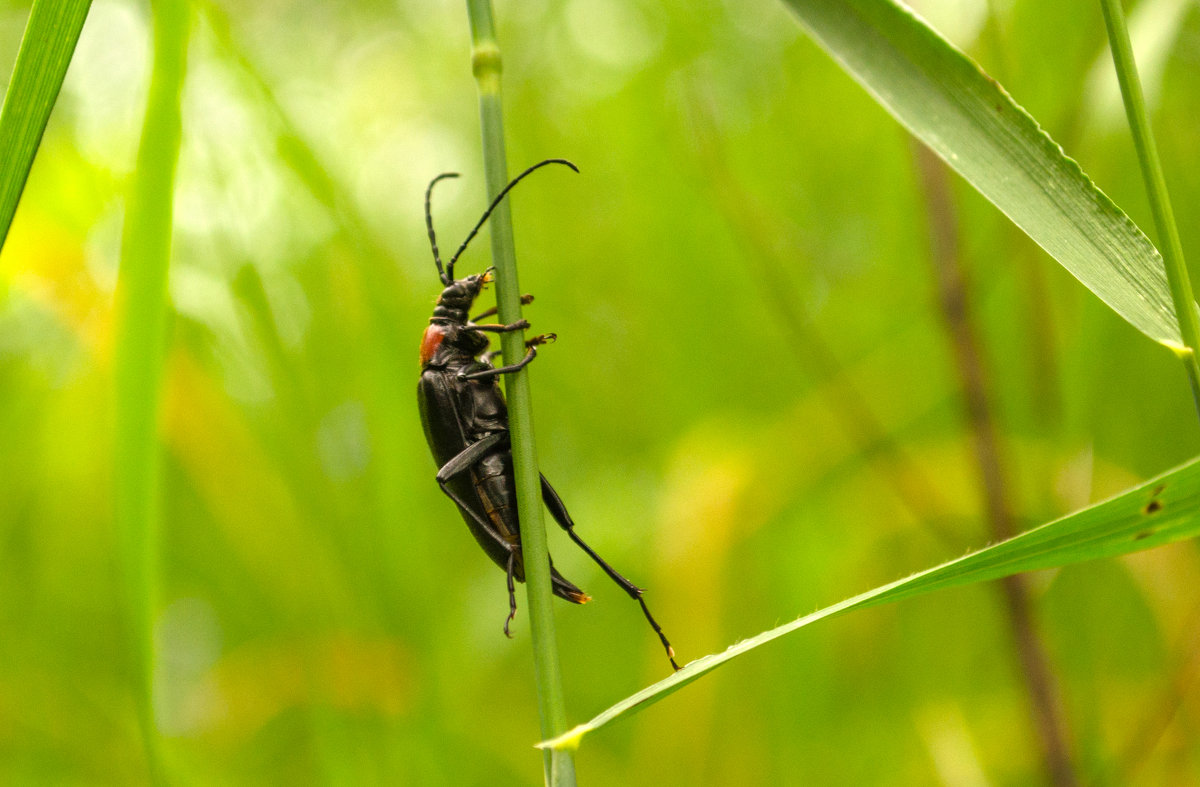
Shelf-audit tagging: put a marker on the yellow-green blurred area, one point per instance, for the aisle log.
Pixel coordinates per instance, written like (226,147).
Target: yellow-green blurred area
(752,409)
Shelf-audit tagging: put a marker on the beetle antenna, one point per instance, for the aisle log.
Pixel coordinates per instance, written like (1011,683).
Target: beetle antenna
(495,202)
(429,225)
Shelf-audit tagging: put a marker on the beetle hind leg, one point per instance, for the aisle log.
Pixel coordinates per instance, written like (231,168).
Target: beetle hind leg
(564,588)
(558,510)
(658,630)
(512,592)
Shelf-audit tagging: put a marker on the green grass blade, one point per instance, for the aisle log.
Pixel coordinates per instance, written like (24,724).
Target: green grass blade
(1161,511)
(950,104)
(1156,187)
(141,314)
(42,61)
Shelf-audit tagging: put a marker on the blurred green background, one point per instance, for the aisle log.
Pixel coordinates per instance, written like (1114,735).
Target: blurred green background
(748,244)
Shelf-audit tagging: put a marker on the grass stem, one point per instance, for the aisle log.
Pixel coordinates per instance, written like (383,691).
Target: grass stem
(559,766)
(142,321)
(1156,190)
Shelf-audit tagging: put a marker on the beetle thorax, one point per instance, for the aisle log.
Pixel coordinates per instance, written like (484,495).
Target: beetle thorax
(451,344)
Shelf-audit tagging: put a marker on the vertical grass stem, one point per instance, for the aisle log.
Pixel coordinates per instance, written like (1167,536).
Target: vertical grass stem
(559,766)
(141,315)
(1156,188)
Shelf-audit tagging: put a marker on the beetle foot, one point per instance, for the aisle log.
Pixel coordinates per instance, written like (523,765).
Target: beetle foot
(545,338)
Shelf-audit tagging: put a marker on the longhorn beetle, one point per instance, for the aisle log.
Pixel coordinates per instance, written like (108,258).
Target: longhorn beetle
(466,422)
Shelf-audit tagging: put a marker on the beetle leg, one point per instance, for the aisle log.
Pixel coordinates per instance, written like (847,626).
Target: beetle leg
(558,510)
(487,526)
(521,364)
(519,325)
(463,462)
(512,592)
(545,338)
(470,455)
(525,301)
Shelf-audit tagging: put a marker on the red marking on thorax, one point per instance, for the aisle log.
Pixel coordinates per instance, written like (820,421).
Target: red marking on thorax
(430,341)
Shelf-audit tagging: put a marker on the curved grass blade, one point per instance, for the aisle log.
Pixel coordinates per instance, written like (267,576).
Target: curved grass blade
(1161,511)
(967,118)
(46,50)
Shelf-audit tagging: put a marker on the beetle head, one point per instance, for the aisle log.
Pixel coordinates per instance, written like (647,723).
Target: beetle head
(456,299)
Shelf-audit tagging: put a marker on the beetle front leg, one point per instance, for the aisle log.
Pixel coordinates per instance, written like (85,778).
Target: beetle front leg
(525,301)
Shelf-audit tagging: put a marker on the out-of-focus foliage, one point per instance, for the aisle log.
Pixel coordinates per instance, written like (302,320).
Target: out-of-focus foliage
(325,615)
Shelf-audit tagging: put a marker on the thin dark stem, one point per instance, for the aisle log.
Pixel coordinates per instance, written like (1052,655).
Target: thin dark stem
(968,357)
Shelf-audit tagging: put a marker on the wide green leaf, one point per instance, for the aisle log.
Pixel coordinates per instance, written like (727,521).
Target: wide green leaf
(967,118)
(1160,511)
(42,61)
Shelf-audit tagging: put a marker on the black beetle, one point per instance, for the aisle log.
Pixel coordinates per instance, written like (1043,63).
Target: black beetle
(466,423)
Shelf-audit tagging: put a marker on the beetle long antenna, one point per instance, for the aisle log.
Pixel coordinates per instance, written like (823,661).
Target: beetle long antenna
(495,202)
(429,225)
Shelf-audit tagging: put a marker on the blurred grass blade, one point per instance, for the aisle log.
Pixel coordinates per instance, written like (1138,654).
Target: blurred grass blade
(1160,511)
(141,315)
(42,61)
(1156,27)
(963,115)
